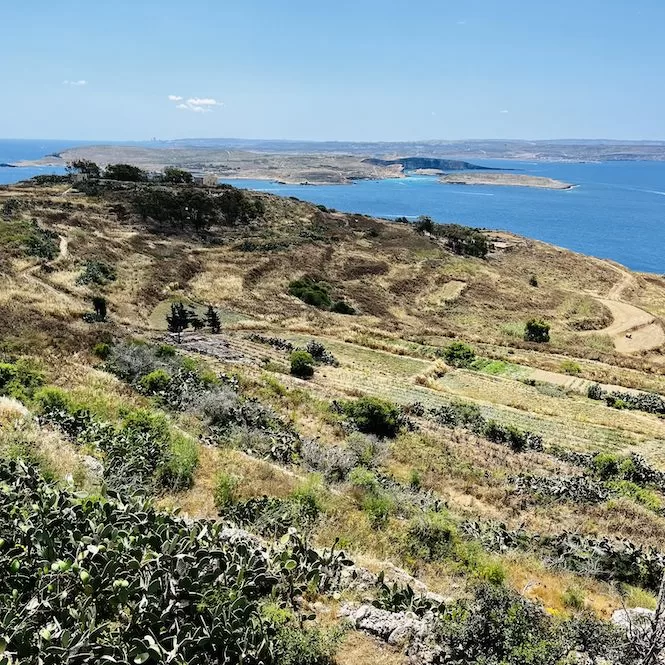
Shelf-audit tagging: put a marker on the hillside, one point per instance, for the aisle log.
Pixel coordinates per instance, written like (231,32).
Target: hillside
(475,489)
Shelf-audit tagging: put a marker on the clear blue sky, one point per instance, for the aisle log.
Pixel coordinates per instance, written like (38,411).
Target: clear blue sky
(332,69)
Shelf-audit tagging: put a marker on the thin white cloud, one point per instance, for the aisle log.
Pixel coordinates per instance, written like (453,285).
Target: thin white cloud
(503,111)
(195,104)
(78,83)
(461,22)
(193,107)
(203,101)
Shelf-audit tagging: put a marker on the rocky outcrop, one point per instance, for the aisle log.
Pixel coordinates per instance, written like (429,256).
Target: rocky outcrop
(413,163)
(397,629)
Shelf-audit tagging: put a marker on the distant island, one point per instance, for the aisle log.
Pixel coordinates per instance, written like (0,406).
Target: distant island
(509,179)
(427,163)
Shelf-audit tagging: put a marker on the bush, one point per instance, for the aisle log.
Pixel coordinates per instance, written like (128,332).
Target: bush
(368,450)
(431,537)
(97,272)
(373,415)
(334,462)
(156,382)
(533,280)
(314,646)
(595,391)
(606,466)
(102,350)
(342,307)
(311,291)
(225,490)
(459,354)
(571,368)
(536,330)
(378,509)
(177,472)
(20,379)
(302,364)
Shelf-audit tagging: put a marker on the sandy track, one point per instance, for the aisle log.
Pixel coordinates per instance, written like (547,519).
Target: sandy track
(632,329)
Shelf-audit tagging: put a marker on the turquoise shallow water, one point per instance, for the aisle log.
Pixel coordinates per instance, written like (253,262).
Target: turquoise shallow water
(617,210)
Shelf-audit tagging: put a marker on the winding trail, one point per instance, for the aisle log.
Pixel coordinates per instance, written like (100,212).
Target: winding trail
(632,329)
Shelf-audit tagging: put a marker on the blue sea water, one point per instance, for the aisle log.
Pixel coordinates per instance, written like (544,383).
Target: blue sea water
(616,211)
(15,150)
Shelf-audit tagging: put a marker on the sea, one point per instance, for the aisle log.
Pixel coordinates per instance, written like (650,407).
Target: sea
(616,209)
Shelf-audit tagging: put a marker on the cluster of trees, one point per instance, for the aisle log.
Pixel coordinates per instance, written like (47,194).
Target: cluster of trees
(180,318)
(127,172)
(196,207)
(124,172)
(459,239)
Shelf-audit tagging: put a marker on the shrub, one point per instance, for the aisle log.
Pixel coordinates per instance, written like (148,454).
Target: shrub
(415,479)
(431,537)
(342,307)
(97,272)
(459,354)
(165,351)
(363,479)
(595,391)
(334,462)
(102,350)
(373,415)
(225,490)
(20,379)
(320,353)
(570,367)
(533,280)
(156,382)
(368,450)
(606,466)
(311,291)
(99,305)
(314,646)
(302,364)
(573,598)
(177,472)
(378,509)
(536,330)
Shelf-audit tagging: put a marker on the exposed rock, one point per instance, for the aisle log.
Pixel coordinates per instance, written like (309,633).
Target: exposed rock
(398,629)
(93,465)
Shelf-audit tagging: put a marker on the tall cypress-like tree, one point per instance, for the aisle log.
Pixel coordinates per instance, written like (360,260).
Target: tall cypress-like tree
(178,320)
(212,318)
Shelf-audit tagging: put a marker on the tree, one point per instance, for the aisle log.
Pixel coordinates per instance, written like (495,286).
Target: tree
(196,322)
(125,172)
(177,176)
(424,224)
(84,167)
(373,415)
(536,330)
(99,303)
(302,364)
(212,317)
(179,319)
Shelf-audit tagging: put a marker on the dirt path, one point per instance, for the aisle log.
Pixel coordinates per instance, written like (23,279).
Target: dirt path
(632,329)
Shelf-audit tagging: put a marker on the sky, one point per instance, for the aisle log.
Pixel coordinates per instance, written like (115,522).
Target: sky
(354,70)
